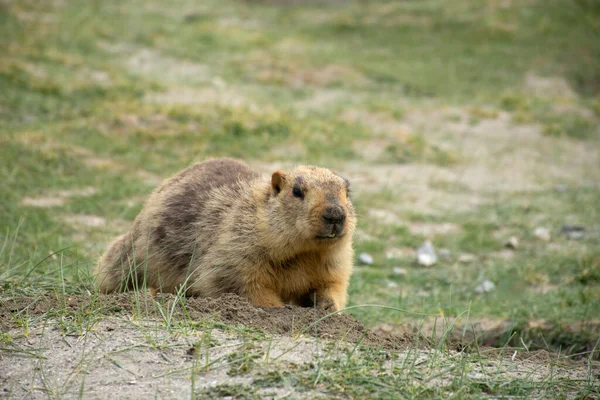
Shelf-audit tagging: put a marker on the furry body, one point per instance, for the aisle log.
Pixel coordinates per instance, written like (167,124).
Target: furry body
(219,227)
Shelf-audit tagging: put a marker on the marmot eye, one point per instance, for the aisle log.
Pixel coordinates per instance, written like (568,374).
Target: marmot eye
(297,192)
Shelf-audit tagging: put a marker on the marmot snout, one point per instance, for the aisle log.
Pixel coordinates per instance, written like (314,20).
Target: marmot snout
(218,227)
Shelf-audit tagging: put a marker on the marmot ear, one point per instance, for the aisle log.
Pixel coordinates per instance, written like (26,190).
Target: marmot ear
(346,181)
(277,180)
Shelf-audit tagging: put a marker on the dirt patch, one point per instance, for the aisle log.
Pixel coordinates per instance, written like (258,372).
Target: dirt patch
(149,178)
(43,202)
(378,122)
(577,339)
(99,162)
(58,198)
(297,321)
(153,64)
(414,185)
(553,86)
(150,63)
(495,155)
(86,220)
(430,230)
(384,216)
(121,344)
(209,95)
(492,155)
(265,69)
(139,360)
(229,308)
(322,99)
(499,155)
(427,230)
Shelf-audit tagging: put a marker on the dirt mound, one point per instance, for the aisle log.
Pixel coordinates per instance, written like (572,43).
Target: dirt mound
(229,308)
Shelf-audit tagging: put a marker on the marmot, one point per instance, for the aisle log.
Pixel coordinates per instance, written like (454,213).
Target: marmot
(219,227)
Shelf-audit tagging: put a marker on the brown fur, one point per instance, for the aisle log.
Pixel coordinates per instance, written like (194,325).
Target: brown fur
(218,227)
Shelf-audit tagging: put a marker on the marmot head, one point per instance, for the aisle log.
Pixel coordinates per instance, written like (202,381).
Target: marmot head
(315,202)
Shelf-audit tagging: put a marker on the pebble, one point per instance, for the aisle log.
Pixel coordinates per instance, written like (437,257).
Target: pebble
(392,285)
(387,328)
(485,287)
(573,231)
(542,233)
(426,254)
(365,258)
(400,271)
(466,258)
(512,242)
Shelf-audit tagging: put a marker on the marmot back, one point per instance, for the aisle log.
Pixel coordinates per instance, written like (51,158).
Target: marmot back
(218,227)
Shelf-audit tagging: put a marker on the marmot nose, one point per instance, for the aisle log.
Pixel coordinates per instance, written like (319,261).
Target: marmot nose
(334,215)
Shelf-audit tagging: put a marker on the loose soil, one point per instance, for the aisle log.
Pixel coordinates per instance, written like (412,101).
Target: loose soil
(578,340)
(106,344)
(125,359)
(229,308)
(121,343)
(293,321)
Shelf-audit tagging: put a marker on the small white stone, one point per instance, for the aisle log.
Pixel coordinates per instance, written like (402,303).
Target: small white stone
(542,233)
(400,271)
(426,254)
(387,328)
(512,242)
(365,258)
(427,260)
(485,287)
(392,285)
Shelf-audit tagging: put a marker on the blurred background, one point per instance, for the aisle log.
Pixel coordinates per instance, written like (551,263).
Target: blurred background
(470,125)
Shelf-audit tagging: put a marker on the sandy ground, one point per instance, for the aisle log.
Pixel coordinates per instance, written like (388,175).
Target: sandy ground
(119,344)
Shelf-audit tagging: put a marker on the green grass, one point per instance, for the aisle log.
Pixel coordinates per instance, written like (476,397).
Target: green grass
(520,278)
(115,96)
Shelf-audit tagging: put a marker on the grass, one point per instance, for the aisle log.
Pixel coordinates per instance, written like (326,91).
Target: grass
(465,115)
